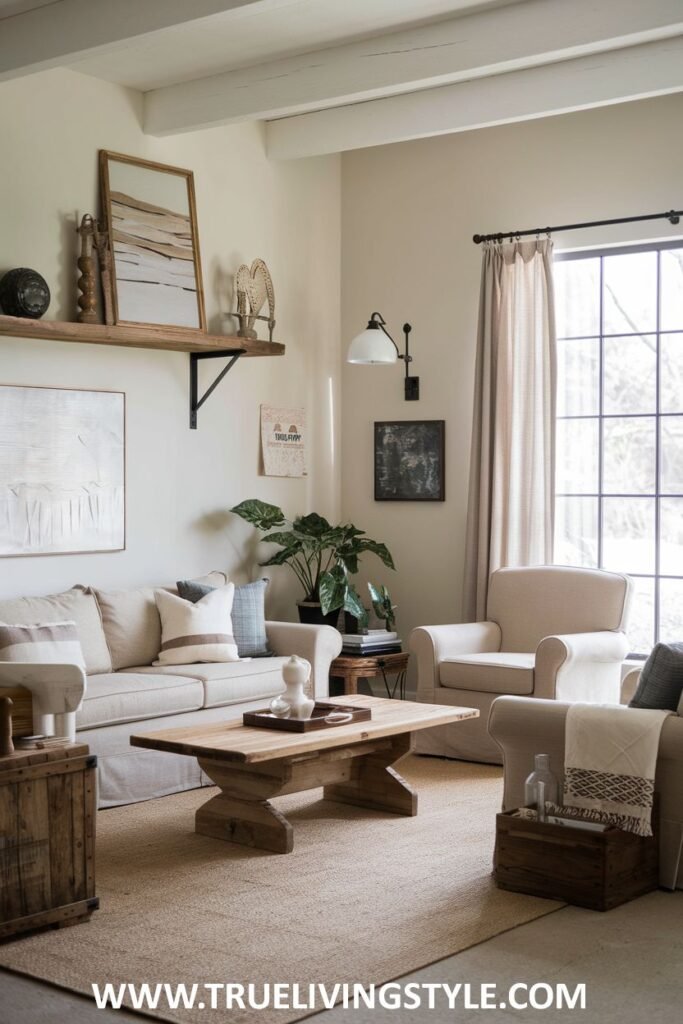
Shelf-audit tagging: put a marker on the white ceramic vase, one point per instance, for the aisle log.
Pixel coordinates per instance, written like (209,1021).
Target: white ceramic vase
(296,673)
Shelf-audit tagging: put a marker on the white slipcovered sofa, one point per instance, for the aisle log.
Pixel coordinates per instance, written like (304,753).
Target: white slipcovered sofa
(120,634)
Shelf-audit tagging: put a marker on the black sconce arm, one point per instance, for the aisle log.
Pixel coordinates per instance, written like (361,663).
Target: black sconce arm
(378,321)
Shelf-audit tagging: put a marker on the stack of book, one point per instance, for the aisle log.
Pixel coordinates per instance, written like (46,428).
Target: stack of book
(375,641)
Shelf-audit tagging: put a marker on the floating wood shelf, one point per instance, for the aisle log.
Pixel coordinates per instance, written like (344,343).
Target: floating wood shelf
(172,339)
(169,339)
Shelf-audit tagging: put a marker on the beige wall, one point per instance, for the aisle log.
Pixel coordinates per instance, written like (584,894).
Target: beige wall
(408,215)
(179,481)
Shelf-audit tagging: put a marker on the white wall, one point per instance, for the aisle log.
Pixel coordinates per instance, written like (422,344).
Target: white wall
(179,482)
(408,215)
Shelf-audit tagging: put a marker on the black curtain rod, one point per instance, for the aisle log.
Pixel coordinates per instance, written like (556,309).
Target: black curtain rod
(673,216)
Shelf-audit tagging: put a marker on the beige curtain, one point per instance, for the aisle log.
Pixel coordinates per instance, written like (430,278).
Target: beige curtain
(510,512)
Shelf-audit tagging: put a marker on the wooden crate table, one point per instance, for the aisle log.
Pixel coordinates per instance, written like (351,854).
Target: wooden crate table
(355,764)
(47,837)
(597,870)
(351,668)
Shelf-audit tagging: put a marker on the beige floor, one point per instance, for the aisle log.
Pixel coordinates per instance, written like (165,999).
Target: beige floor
(630,960)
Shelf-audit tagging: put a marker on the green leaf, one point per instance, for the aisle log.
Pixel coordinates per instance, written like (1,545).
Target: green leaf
(285,538)
(332,591)
(281,557)
(381,550)
(312,525)
(354,606)
(260,513)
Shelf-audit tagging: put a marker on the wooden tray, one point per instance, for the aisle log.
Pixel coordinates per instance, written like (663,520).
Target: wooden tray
(267,720)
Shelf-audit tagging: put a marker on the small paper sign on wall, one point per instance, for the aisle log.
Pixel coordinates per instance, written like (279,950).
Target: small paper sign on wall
(283,441)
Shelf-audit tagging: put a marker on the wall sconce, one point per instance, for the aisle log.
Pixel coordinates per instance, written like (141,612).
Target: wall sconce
(375,346)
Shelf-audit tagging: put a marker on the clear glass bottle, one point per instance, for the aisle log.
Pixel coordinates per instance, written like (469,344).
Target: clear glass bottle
(541,787)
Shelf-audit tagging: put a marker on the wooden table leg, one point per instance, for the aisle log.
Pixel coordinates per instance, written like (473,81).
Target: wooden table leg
(241,813)
(375,783)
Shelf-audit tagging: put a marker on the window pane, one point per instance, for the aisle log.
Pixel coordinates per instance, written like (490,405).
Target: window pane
(671,435)
(630,293)
(628,535)
(577,297)
(671,611)
(630,368)
(671,536)
(672,289)
(671,373)
(576,531)
(577,456)
(578,377)
(629,455)
(641,627)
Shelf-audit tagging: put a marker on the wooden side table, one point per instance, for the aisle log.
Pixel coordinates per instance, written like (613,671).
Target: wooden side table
(47,837)
(351,668)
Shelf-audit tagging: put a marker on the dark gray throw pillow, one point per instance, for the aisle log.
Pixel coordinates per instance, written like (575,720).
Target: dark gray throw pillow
(248,614)
(661,682)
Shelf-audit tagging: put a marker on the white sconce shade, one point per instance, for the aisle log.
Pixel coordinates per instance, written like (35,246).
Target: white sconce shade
(372,346)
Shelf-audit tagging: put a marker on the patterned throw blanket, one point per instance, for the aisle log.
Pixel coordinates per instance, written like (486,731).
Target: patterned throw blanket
(610,760)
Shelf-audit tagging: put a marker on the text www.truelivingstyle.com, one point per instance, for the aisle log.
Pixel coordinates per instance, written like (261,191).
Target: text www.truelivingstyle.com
(391,996)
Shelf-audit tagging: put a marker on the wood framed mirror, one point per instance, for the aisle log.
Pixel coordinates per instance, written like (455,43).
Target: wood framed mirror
(150,214)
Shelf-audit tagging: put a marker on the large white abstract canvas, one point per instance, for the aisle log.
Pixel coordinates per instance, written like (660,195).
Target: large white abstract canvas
(62,470)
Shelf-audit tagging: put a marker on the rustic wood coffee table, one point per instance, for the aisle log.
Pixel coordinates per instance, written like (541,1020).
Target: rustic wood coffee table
(354,763)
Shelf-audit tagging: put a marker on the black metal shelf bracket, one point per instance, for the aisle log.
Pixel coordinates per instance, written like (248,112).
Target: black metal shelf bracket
(195,401)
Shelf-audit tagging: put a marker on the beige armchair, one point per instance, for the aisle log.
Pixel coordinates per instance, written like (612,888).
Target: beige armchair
(553,632)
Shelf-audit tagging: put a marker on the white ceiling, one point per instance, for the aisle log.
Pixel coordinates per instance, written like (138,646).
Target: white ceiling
(261,32)
(333,75)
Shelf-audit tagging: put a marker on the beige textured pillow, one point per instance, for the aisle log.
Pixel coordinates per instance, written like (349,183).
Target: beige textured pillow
(75,605)
(49,643)
(198,632)
(131,622)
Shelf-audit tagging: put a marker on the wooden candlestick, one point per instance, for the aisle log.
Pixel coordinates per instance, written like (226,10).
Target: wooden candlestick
(6,744)
(87,282)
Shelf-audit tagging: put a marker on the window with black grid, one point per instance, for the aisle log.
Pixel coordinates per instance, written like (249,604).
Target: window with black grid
(619,481)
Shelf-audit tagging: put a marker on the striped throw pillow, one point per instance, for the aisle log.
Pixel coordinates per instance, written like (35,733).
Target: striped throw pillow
(248,614)
(50,643)
(202,631)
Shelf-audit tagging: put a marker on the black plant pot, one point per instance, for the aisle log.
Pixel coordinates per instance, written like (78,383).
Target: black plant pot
(310,613)
(351,624)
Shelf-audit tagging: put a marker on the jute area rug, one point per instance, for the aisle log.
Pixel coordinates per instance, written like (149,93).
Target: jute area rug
(365,896)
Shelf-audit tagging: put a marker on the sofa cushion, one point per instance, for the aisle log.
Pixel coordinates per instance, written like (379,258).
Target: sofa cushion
(53,643)
(501,672)
(230,682)
(132,625)
(77,605)
(198,631)
(115,697)
(248,614)
(660,686)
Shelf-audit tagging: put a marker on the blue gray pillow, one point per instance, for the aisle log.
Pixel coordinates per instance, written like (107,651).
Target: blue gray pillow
(248,614)
(661,682)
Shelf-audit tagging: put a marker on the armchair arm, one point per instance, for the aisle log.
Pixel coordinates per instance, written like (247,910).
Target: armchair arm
(317,644)
(580,666)
(56,691)
(523,727)
(432,644)
(629,684)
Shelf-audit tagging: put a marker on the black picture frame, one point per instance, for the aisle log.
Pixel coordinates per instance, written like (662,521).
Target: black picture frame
(410,462)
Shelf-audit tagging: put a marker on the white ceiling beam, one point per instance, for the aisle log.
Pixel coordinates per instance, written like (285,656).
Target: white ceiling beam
(490,42)
(652,69)
(69,30)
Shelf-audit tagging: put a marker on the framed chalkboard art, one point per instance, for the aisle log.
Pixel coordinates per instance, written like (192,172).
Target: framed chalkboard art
(409,460)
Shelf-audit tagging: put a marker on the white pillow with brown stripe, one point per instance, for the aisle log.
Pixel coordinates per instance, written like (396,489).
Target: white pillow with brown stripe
(202,631)
(49,643)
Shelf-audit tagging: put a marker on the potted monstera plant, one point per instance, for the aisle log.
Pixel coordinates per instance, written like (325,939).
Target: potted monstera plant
(321,556)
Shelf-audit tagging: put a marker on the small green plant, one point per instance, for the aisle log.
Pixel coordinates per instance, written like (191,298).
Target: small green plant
(381,603)
(321,556)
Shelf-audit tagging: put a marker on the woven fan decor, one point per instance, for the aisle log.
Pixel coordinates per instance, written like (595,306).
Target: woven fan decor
(253,286)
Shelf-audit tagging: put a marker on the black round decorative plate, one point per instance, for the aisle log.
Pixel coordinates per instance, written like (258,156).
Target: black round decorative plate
(24,292)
